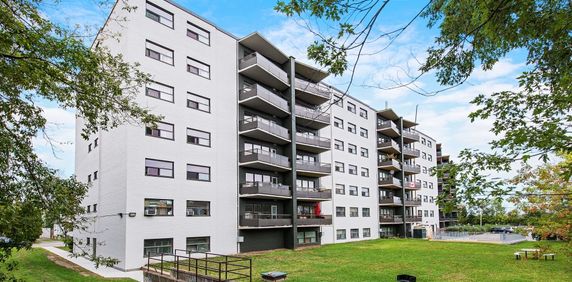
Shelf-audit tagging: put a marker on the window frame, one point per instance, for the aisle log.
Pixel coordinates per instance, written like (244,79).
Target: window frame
(339,211)
(198,108)
(159,175)
(162,9)
(145,254)
(149,131)
(201,131)
(198,35)
(200,62)
(164,47)
(145,206)
(198,251)
(198,179)
(208,209)
(147,87)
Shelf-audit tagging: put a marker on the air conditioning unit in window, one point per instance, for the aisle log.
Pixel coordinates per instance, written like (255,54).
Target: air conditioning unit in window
(151,211)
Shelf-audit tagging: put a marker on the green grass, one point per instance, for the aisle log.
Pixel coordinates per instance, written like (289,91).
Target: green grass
(34,265)
(383,260)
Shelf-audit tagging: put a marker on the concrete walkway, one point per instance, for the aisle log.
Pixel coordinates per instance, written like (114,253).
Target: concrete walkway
(103,271)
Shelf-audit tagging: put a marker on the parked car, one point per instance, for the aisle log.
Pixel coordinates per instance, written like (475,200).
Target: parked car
(502,230)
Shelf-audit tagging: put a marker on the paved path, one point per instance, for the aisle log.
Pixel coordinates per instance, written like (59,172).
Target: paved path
(104,271)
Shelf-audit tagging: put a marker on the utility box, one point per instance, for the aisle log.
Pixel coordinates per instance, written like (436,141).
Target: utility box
(420,233)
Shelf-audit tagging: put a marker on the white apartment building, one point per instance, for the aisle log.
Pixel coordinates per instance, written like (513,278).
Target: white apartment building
(429,211)
(250,155)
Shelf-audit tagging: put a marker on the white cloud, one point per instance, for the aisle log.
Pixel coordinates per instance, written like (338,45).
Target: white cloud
(502,69)
(56,148)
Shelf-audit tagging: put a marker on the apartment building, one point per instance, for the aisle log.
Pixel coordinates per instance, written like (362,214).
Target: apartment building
(255,152)
(428,211)
(445,218)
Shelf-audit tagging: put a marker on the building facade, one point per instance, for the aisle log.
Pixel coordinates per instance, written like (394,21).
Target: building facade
(254,152)
(445,189)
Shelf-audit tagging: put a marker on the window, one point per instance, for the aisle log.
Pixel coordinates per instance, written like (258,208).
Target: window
(430,157)
(423,141)
(424,184)
(88,241)
(425,198)
(89,178)
(363,113)
(198,244)
(199,34)
(354,233)
(425,169)
(352,128)
(94,207)
(432,213)
(339,167)
(339,145)
(95,175)
(353,191)
(95,142)
(430,185)
(366,232)
(197,102)
(198,172)
(159,168)
(307,237)
(338,101)
(341,234)
(89,148)
(354,212)
(163,130)
(364,152)
(159,53)
(426,213)
(158,207)
(198,68)
(424,155)
(340,211)
(352,149)
(351,107)
(365,212)
(364,172)
(160,91)
(340,189)
(198,137)
(429,144)
(338,122)
(419,212)
(431,199)
(352,169)
(155,247)
(363,132)
(88,208)
(159,15)
(198,208)
(365,191)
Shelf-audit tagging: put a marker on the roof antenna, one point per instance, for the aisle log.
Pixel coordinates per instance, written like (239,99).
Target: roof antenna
(416,108)
(386,105)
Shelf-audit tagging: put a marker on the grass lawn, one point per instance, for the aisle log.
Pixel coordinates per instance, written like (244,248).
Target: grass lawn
(34,265)
(384,259)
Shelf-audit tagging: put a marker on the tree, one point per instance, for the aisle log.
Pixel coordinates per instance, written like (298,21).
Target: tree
(41,61)
(535,121)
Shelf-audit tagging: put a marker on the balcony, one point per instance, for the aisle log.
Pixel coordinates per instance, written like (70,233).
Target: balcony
(389,164)
(312,93)
(390,219)
(313,169)
(412,185)
(312,118)
(410,169)
(254,220)
(387,146)
(387,128)
(262,129)
(410,136)
(310,219)
(259,68)
(265,190)
(409,153)
(260,98)
(389,201)
(313,194)
(266,160)
(311,143)
(389,182)
(413,219)
(412,201)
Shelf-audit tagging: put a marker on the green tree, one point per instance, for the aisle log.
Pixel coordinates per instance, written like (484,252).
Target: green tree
(534,121)
(42,61)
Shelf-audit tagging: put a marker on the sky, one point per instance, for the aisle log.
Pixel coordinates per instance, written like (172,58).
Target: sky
(443,116)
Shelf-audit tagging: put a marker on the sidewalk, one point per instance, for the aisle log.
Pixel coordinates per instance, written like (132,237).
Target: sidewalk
(103,271)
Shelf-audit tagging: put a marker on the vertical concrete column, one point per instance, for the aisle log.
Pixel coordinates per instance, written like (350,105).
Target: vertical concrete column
(293,151)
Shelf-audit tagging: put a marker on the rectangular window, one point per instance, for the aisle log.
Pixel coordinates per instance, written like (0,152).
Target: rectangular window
(338,122)
(351,107)
(198,172)
(354,212)
(88,208)
(432,213)
(307,237)
(158,168)
(352,128)
(198,137)
(353,191)
(365,212)
(354,233)
(352,149)
(339,167)
(198,208)
(426,213)
(159,53)
(419,212)
(197,102)
(89,178)
(198,68)
(366,232)
(365,191)
(341,234)
(156,247)
(363,113)
(363,132)
(158,207)
(364,152)
(198,244)
(430,185)
(425,169)
(89,148)
(340,211)
(430,157)
(95,175)
(159,14)
(425,198)
(338,101)
(163,130)
(352,169)
(429,144)
(423,141)
(199,34)
(95,142)
(338,145)
(340,189)
(424,155)
(424,184)
(364,172)
(88,242)
(160,91)
(94,207)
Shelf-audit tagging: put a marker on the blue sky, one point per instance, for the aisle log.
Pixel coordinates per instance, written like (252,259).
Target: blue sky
(443,116)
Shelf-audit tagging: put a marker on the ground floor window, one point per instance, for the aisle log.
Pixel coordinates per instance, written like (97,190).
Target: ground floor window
(366,232)
(307,237)
(198,244)
(341,234)
(386,232)
(354,233)
(155,247)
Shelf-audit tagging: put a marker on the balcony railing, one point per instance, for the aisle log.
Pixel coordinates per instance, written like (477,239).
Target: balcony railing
(411,135)
(390,200)
(416,201)
(389,218)
(411,152)
(389,181)
(264,125)
(257,59)
(313,88)
(412,185)
(410,168)
(413,218)
(302,192)
(314,166)
(311,219)
(257,90)
(265,220)
(265,188)
(312,114)
(386,124)
(389,163)
(383,143)
(312,140)
(258,155)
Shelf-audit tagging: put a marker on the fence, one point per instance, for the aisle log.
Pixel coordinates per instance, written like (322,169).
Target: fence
(505,238)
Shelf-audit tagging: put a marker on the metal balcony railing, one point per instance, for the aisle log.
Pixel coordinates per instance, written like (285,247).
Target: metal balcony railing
(389,181)
(257,59)
(265,220)
(264,156)
(390,218)
(303,192)
(390,200)
(313,88)
(259,91)
(317,141)
(264,125)
(312,114)
(314,166)
(311,219)
(266,188)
